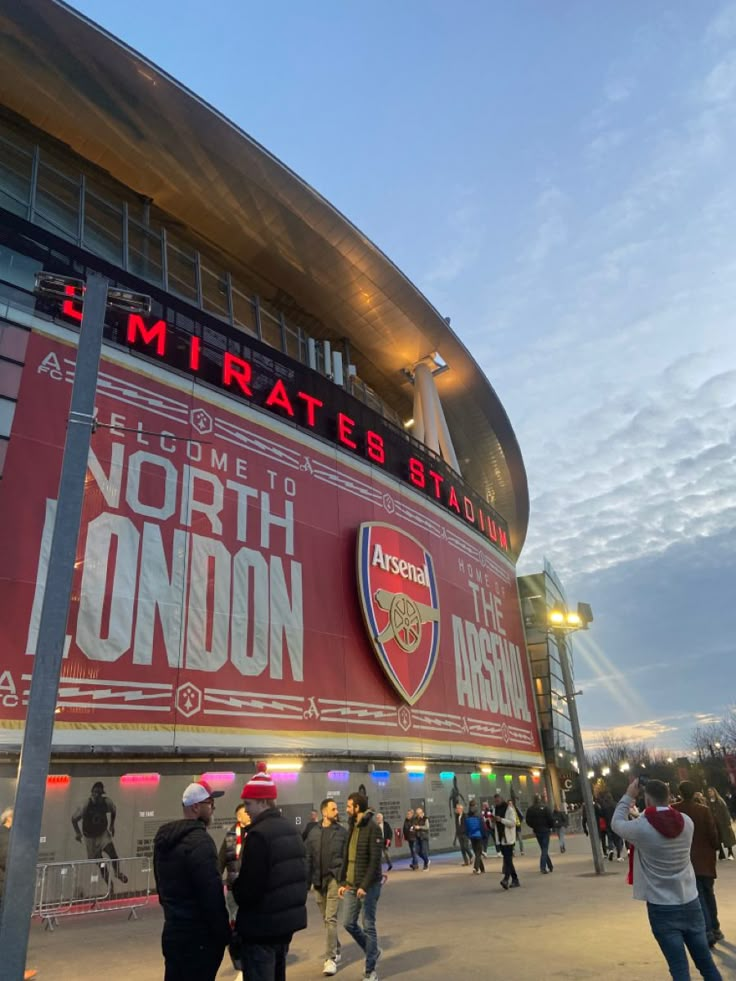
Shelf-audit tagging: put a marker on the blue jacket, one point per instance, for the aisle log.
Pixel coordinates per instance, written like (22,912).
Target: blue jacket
(473,826)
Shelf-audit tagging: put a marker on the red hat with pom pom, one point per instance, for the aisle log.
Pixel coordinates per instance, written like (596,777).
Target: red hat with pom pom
(260,786)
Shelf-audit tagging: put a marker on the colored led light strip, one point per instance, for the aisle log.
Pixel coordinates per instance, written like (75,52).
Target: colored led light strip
(339,776)
(58,780)
(140,779)
(218,776)
(380,775)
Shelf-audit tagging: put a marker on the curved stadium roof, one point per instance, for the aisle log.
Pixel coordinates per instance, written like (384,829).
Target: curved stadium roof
(112,106)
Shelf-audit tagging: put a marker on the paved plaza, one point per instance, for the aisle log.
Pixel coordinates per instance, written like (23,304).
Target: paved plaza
(441,924)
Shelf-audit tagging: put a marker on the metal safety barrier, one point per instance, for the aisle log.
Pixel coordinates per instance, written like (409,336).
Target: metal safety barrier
(91,886)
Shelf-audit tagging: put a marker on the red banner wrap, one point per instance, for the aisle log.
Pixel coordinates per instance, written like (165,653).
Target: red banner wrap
(216,599)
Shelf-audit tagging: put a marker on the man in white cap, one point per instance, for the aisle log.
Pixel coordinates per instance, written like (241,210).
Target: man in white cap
(271,890)
(196,924)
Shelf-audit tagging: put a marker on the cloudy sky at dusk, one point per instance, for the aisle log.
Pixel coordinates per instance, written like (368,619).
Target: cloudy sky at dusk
(559,180)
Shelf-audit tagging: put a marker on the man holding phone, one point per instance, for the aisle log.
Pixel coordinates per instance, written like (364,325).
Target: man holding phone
(663,876)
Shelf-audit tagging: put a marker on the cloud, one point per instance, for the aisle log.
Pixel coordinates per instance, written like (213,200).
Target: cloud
(653,732)
(723,26)
(550,229)
(465,237)
(720,83)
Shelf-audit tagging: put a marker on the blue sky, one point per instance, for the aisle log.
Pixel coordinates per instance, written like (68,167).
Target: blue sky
(558,179)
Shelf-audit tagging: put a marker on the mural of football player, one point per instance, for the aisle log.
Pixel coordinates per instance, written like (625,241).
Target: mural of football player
(95,831)
(455,796)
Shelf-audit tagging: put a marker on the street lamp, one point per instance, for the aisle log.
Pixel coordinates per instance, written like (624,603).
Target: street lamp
(605,771)
(624,767)
(95,295)
(561,622)
(591,774)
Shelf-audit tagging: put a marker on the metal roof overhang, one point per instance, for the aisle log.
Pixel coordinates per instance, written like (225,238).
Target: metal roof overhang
(119,111)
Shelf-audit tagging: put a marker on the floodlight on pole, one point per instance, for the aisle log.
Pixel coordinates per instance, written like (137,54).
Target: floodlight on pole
(560,622)
(605,771)
(94,295)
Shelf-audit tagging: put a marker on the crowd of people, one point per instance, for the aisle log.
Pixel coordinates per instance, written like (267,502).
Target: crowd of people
(250,897)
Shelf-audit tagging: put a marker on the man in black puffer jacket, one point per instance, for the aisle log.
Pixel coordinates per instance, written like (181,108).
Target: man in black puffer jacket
(196,928)
(271,890)
(360,882)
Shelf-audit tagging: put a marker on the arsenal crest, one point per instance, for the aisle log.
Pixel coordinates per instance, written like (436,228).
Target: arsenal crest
(398,597)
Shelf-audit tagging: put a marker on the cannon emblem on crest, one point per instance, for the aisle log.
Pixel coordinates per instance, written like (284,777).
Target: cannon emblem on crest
(405,619)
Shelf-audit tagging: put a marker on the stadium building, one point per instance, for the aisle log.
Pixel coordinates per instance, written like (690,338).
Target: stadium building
(304,501)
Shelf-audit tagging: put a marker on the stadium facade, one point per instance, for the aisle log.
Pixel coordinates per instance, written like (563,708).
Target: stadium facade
(304,500)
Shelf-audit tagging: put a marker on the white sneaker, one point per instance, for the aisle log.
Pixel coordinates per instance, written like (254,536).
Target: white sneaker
(620,858)
(329,968)
(730,858)
(370,977)
(338,957)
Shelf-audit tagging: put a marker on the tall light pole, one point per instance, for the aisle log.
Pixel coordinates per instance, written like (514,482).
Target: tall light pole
(33,766)
(561,623)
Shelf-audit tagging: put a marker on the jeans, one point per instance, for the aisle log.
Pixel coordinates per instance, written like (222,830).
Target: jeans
(477,844)
(509,872)
(544,859)
(264,962)
(520,841)
(366,938)
(423,850)
(187,959)
(413,852)
(678,927)
(327,900)
(467,847)
(387,858)
(561,836)
(707,897)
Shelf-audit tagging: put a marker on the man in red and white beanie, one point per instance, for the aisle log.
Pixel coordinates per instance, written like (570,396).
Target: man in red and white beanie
(271,890)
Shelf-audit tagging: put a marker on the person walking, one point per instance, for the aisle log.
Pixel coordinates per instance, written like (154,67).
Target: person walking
(614,842)
(6,823)
(489,831)
(360,880)
(410,837)
(539,819)
(189,885)
(719,810)
(703,857)
(386,834)
(271,890)
(505,824)
(662,876)
(473,828)
(559,823)
(325,846)
(228,858)
(461,832)
(421,828)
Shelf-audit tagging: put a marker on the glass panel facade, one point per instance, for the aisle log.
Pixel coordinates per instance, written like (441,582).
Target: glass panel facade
(214,292)
(16,170)
(57,201)
(244,313)
(182,270)
(103,227)
(144,252)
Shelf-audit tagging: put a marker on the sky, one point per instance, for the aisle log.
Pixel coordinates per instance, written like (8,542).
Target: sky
(558,178)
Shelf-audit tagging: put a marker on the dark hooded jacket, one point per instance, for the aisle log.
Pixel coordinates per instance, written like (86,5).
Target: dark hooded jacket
(271,890)
(539,818)
(368,853)
(188,883)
